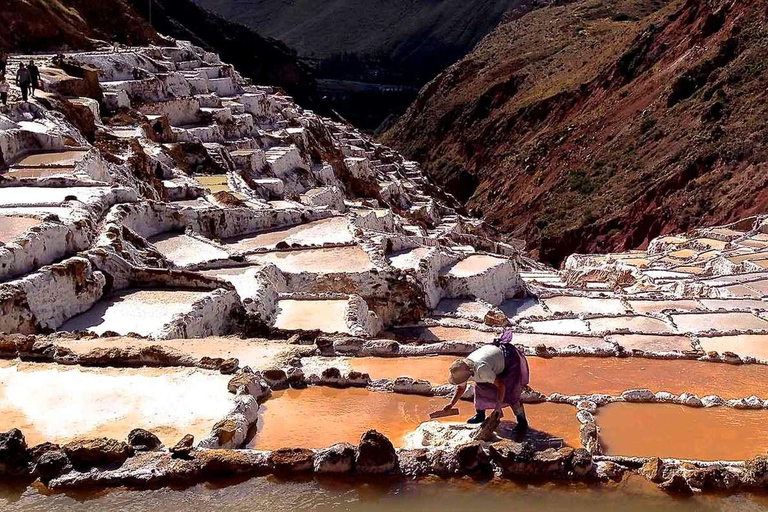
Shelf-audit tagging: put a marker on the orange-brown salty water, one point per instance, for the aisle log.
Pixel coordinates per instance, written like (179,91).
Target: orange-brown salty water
(317,417)
(611,375)
(334,259)
(59,158)
(677,431)
(434,369)
(587,375)
(324,315)
(14,227)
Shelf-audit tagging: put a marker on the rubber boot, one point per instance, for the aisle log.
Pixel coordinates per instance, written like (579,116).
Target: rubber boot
(522,423)
(479,417)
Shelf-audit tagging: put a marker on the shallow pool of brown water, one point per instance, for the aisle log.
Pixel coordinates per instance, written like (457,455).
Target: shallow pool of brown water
(633,494)
(677,431)
(330,230)
(755,345)
(334,259)
(323,315)
(611,375)
(434,369)
(13,227)
(38,172)
(58,158)
(302,418)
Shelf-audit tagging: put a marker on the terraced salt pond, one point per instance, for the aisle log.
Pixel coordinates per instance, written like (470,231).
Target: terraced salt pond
(566,304)
(294,418)
(611,375)
(143,312)
(754,345)
(30,196)
(257,353)
(39,172)
(630,323)
(53,158)
(700,322)
(473,265)
(433,369)
(332,230)
(243,279)
(334,259)
(409,258)
(653,342)
(185,250)
(13,227)
(560,326)
(677,431)
(217,183)
(324,315)
(60,403)
(440,333)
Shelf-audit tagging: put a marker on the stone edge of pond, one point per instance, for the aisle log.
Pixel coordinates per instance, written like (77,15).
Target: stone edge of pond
(103,463)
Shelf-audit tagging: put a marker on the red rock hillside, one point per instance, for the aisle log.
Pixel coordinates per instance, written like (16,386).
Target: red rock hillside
(599,125)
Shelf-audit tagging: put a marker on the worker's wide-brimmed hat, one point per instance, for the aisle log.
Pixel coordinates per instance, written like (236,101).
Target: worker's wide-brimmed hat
(460,372)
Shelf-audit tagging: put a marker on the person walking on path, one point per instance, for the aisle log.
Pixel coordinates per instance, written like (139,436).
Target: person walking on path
(23,81)
(34,76)
(3,62)
(500,372)
(4,88)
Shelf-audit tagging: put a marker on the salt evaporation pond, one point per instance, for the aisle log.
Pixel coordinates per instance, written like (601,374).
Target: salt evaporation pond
(678,431)
(634,494)
(332,230)
(13,227)
(144,312)
(296,418)
(57,403)
(308,315)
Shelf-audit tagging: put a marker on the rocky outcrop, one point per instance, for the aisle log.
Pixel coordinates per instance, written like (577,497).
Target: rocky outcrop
(292,460)
(14,454)
(339,458)
(184,448)
(375,454)
(143,440)
(100,452)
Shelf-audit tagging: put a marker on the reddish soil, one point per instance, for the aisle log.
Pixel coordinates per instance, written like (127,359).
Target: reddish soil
(597,125)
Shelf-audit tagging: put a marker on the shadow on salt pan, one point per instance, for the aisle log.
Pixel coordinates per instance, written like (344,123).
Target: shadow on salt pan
(144,312)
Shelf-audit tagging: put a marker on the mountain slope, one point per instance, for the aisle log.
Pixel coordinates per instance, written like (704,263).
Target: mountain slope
(45,25)
(423,36)
(264,60)
(52,25)
(599,125)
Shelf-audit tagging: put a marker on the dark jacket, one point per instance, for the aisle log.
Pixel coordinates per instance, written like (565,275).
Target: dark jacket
(22,76)
(34,73)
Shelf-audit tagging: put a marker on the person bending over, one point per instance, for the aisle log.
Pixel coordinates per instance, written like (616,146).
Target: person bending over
(500,372)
